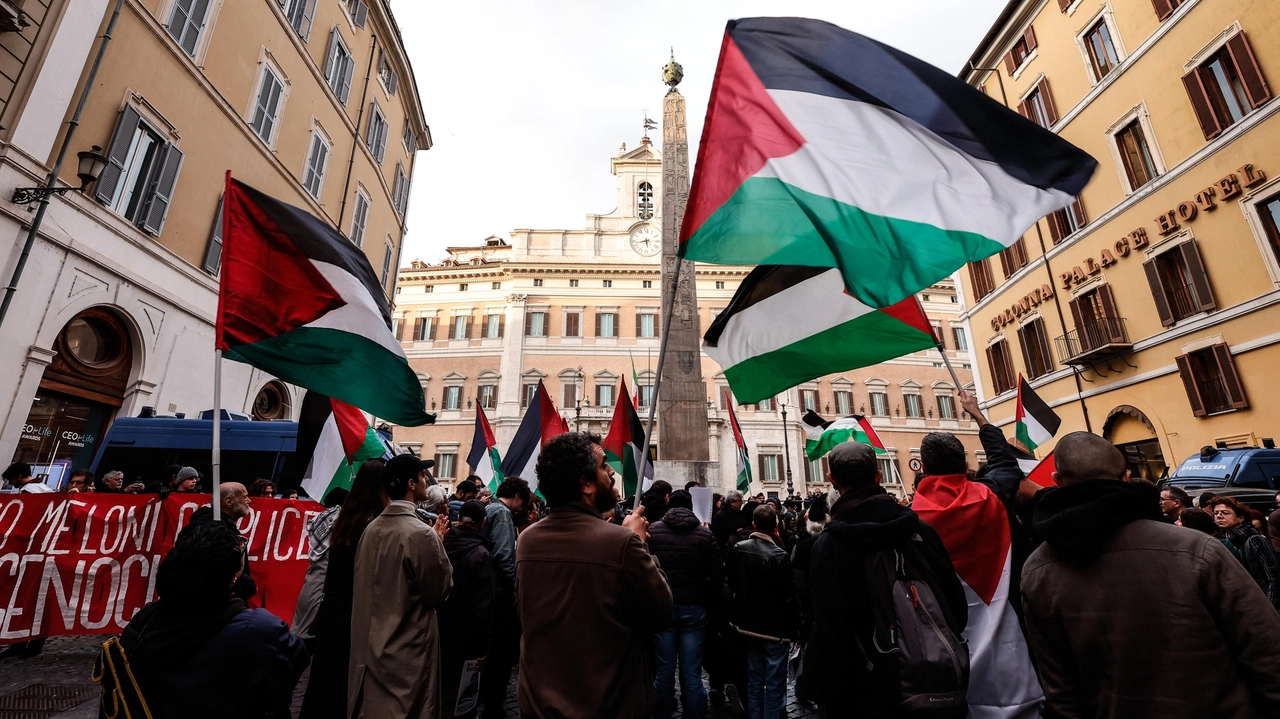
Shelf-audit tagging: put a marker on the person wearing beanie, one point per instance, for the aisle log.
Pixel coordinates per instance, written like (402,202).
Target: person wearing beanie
(403,575)
(466,617)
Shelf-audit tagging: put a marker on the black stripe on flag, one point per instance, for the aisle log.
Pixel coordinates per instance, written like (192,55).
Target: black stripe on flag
(764,282)
(1036,407)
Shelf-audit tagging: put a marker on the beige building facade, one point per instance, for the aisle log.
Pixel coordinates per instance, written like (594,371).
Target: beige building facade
(311,101)
(1148,311)
(578,309)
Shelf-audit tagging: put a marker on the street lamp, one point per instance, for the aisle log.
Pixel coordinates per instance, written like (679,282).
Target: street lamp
(786,446)
(92,162)
(578,401)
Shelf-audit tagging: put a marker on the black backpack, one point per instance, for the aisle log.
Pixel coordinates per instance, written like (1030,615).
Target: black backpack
(919,664)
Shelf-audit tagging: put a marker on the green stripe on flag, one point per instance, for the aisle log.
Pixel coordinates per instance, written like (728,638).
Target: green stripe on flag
(814,449)
(883,260)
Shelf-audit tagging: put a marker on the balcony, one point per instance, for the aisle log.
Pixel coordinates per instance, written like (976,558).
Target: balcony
(1094,341)
(1183,302)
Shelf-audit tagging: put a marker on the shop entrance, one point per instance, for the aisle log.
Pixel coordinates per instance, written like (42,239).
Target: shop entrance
(78,396)
(1133,434)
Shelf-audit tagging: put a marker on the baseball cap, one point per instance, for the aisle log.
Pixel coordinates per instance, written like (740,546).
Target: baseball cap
(472,510)
(403,467)
(465,485)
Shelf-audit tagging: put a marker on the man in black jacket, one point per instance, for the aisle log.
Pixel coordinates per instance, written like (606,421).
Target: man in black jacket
(466,617)
(728,518)
(863,520)
(765,610)
(688,554)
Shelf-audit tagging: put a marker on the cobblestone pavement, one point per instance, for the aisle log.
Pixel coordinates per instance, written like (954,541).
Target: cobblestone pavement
(69,661)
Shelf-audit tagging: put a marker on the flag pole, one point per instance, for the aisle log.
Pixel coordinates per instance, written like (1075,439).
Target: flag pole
(216,501)
(669,304)
(946,360)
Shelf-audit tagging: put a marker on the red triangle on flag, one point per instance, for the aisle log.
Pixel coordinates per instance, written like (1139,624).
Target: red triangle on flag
(909,312)
(1043,473)
(353,427)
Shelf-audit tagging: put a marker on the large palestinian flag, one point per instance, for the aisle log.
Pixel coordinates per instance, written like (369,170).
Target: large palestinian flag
(334,439)
(300,301)
(825,148)
(973,525)
(541,422)
(623,445)
(789,324)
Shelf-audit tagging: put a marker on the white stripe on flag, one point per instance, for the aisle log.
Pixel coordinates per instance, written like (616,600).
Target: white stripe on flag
(328,457)
(1028,465)
(360,316)
(529,472)
(1035,430)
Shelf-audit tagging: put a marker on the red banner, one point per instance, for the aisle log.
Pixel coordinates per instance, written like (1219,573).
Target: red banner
(86,563)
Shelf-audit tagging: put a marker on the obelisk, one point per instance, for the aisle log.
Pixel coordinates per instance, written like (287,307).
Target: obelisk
(682,397)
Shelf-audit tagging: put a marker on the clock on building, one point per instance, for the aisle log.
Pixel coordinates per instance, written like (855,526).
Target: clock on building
(646,240)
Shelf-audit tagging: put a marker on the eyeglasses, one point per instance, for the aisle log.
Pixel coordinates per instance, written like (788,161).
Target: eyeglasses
(1223,512)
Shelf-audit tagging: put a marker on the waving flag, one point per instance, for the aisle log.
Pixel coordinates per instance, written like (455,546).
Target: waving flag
(541,422)
(789,324)
(343,440)
(825,148)
(300,301)
(744,462)
(1036,422)
(624,444)
(484,458)
(822,436)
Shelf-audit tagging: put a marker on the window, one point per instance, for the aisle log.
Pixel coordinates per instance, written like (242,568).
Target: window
(213,255)
(915,407)
(1139,168)
(644,201)
(388,77)
(317,163)
(646,395)
(809,400)
(606,324)
(879,403)
(646,325)
(429,289)
(376,135)
(1001,364)
(604,395)
(495,285)
(445,463)
(267,108)
(388,253)
(452,398)
(459,329)
(815,473)
(946,407)
(1102,52)
(537,282)
(529,394)
(647,284)
(719,285)
(1013,258)
(765,405)
(141,173)
(573,283)
(1226,87)
(359,219)
(1165,8)
(573,324)
(1179,284)
(769,468)
(1035,348)
(726,398)
(463,287)
(962,340)
(568,393)
(410,138)
(887,470)
(424,329)
(980,274)
(187,22)
(338,67)
(359,12)
(1038,106)
(1269,213)
(493,326)
(488,398)
(938,337)
(607,283)
(1210,378)
(300,14)
(844,402)
(400,192)
(535,324)
(1064,223)
(1021,51)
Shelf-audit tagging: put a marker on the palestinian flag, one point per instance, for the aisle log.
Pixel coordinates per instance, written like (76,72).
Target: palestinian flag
(343,440)
(825,148)
(788,324)
(541,422)
(744,462)
(623,445)
(484,458)
(974,526)
(822,436)
(300,301)
(1037,423)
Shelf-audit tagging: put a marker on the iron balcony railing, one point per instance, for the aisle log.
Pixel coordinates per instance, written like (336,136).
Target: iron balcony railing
(1183,302)
(1094,340)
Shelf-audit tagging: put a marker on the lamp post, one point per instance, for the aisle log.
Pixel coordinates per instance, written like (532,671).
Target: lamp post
(786,447)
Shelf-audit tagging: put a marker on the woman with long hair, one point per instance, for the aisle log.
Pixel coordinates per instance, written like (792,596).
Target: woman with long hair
(327,686)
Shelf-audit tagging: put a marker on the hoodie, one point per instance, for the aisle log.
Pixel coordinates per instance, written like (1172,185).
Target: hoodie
(1079,519)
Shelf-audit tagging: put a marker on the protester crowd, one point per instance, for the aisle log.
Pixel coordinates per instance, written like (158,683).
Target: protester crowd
(989,596)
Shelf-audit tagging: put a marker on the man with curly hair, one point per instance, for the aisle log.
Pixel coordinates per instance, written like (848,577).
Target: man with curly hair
(590,595)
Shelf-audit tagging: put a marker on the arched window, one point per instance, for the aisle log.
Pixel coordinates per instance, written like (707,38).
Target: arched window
(644,204)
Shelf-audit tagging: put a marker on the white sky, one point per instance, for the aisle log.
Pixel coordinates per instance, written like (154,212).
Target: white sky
(528,99)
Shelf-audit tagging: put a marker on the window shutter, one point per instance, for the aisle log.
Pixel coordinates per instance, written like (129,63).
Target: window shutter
(1077,318)
(568,396)
(1250,75)
(419,325)
(213,255)
(360,15)
(597,324)
(1009,63)
(1077,212)
(1006,263)
(1056,226)
(1064,4)
(991,364)
(1226,365)
(395,83)
(1199,280)
(344,88)
(528,324)
(760,468)
(160,191)
(1158,293)
(119,152)
(453,328)
(1050,110)
(657,331)
(1200,103)
(1025,339)
(331,55)
(638,316)
(1192,386)
(1030,36)
(431,328)
(308,16)
(1024,110)
(1164,8)
(502,323)
(1112,328)
(1019,248)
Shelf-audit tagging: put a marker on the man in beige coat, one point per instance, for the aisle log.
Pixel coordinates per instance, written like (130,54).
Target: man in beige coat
(401,575)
